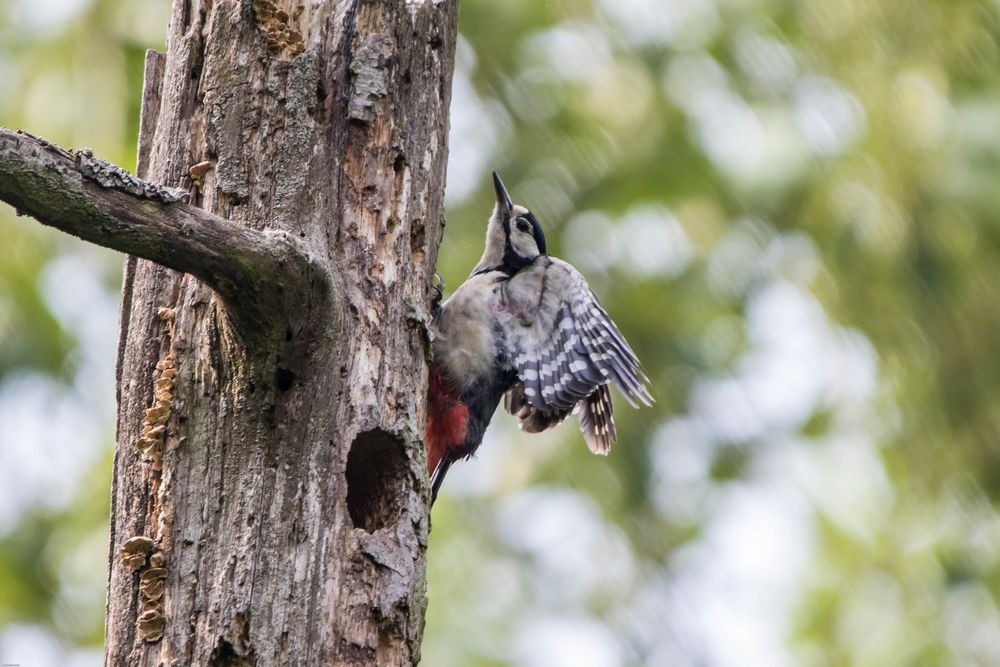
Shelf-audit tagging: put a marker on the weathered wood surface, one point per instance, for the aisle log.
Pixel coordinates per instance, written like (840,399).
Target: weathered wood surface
(287,505)
(257,273)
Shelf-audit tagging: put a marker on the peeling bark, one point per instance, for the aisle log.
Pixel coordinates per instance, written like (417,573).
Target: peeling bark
(269,503)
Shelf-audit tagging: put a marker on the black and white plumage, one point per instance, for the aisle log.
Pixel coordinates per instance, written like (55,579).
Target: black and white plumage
(525,326)
(566,350)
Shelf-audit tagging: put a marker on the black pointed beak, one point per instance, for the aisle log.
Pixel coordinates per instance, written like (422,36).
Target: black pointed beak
(503,199)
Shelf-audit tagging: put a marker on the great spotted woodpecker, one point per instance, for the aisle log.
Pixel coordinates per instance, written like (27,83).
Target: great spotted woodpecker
(526,327)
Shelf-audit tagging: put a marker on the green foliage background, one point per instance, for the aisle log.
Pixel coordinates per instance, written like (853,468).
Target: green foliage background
(790,208)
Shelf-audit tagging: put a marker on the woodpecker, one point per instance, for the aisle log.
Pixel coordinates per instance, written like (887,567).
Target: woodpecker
(524,327)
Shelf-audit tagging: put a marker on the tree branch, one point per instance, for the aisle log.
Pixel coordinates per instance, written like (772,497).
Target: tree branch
(258,274)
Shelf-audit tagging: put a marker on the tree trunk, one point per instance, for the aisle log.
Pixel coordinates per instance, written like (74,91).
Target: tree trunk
(269,498)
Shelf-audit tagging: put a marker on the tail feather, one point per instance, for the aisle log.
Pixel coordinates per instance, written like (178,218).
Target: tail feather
(597,420)
(437,477)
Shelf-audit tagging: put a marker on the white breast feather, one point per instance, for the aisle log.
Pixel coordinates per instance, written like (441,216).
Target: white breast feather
(464,339)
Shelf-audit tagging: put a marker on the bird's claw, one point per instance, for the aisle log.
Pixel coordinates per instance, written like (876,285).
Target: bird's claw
(437,289)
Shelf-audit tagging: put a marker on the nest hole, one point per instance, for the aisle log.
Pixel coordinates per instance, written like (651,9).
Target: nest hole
(376,478)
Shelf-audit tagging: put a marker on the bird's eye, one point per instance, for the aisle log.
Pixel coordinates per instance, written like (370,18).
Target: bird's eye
(523,224)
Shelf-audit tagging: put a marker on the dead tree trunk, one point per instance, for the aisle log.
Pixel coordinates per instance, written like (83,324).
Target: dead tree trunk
(269,498)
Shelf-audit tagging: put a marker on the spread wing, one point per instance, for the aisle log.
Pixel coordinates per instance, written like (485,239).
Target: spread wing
(566,350)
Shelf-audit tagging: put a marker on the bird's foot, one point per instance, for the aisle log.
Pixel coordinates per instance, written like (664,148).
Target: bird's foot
(437,289)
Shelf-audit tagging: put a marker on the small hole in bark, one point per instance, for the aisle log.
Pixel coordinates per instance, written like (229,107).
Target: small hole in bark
(399,163)
(376,475)
(288,334)
(283,378)
(418,236)
(234,648)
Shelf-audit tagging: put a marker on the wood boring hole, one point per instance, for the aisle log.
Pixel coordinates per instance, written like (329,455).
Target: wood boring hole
(234,649)
(376,479)
(283,378)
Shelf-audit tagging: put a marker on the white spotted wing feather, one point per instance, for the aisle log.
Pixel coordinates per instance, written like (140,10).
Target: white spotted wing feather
(566,351)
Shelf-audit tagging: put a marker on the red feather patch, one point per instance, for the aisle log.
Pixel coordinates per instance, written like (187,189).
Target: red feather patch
(447,419)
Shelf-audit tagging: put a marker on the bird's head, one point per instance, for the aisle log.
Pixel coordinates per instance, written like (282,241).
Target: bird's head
(513,236)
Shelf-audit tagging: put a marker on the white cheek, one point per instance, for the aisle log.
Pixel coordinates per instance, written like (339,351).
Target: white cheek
(524,244)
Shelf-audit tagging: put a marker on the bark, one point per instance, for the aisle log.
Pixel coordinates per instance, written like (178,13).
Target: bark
(269,503)
(261,274)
